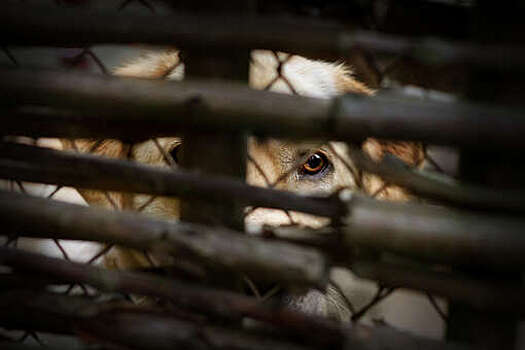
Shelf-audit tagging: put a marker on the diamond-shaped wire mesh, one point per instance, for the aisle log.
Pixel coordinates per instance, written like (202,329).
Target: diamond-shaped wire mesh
(380,188)
(80,58)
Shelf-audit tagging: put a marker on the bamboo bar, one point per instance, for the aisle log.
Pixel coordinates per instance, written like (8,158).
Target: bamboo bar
(96,106)
(225,304)
(421,231)
(436,233)
(221,303)
(28,163)
(269,261)
(130,327)
(24,25)
(126,326)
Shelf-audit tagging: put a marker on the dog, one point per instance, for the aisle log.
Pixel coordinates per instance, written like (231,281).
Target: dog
(311,167)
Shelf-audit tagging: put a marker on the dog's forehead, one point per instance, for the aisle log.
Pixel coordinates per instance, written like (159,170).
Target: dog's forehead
(298,75)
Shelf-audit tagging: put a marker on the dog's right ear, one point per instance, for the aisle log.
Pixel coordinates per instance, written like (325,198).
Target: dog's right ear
(104,148)
(154,65)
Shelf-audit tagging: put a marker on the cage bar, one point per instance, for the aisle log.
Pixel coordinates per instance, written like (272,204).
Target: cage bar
(129,108)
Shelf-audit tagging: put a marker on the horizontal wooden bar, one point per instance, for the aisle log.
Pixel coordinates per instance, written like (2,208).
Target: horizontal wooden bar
(199,298)
(97,106)
(146,329)
(25,25)
(42,165)
(125,326)
(316,331)
(269,261)
(436,234)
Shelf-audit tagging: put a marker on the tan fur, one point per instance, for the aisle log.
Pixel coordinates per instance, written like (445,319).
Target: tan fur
(154,66)
(274,158)
(409,152)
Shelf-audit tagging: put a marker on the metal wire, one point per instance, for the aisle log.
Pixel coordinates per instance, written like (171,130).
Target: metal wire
(282,59)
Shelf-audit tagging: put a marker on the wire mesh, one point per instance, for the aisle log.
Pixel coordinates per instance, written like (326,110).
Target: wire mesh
(80,59)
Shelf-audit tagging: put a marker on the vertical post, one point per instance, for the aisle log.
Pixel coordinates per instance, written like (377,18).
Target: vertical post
(488,330)
(207,152)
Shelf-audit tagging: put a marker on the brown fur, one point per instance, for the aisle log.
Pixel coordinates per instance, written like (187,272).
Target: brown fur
(271,159)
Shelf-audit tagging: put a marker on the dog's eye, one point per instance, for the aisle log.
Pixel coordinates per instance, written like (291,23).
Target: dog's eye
(174,153)
(315,164)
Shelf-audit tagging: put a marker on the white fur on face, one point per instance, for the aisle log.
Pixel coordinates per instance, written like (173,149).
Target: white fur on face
(304,77)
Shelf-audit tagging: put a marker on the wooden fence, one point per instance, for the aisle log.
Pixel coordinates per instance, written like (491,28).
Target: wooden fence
(467,249)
